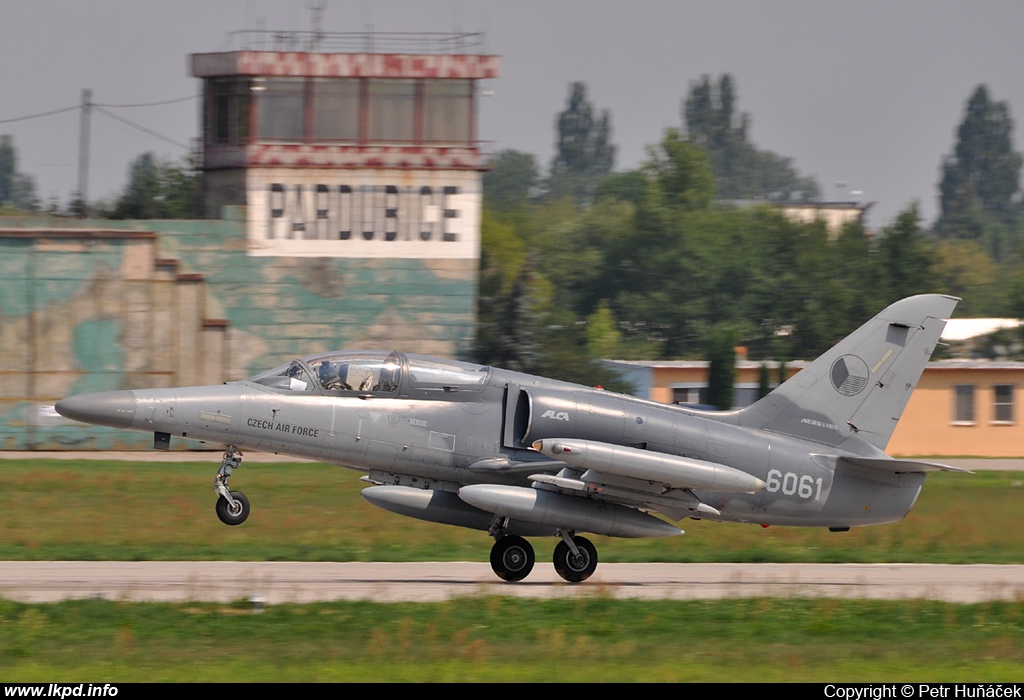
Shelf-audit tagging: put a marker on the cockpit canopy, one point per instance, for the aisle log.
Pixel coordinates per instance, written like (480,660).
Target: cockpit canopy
(373,373)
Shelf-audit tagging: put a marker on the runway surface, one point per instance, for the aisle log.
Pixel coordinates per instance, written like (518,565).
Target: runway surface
(280,582)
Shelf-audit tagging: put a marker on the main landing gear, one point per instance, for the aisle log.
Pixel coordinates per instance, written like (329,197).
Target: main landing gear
(575,558)
(512,558)
(232,506)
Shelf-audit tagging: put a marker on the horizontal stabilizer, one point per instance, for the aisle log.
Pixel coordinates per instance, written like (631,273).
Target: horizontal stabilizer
(901,466)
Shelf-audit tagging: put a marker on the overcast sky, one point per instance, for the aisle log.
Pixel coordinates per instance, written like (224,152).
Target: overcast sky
(869,93)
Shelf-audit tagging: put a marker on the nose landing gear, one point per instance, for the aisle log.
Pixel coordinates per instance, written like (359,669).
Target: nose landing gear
(232,506)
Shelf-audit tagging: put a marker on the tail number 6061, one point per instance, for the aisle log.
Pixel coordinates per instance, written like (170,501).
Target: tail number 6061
(792,484)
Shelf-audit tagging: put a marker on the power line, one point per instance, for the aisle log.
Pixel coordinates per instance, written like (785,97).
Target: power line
(148,104)
(97,104)
(86,107)
(143,129)
(36,116)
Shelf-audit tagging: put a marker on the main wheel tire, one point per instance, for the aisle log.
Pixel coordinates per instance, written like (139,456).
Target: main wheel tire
(233,515)
(512,558)
(571,567)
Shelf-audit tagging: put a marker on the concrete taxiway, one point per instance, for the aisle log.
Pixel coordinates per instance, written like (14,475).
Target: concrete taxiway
(301,582)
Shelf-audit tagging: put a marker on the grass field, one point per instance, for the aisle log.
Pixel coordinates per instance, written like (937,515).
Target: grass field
(502,639)
(53,510)
(114,510)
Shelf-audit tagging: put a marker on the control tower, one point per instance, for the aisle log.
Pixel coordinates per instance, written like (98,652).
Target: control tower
(356,145)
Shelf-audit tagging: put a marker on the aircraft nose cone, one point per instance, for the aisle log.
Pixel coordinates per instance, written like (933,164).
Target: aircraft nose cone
(112,408)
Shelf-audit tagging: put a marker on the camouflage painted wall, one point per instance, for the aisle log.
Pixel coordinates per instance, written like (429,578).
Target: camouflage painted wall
(99,305)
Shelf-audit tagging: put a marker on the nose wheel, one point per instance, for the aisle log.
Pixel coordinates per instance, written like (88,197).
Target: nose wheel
(232,506)
(235,511)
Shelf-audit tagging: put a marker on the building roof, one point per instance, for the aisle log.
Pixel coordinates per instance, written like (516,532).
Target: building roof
(967,328)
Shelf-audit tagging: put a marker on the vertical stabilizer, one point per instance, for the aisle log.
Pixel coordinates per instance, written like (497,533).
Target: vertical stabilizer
(861,386)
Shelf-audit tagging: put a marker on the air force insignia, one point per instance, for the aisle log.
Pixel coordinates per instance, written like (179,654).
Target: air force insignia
(849,375)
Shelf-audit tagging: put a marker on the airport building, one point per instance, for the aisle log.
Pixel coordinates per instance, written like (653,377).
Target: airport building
(834,215)
(343,176)
(959,408)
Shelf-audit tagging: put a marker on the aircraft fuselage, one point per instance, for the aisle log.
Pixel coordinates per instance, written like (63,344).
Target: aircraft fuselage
(518,455)
(436,439)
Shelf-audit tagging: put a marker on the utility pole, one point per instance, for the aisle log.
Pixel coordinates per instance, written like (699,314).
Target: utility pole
(83,153)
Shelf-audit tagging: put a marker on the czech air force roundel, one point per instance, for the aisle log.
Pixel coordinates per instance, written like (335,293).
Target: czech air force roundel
(849,375)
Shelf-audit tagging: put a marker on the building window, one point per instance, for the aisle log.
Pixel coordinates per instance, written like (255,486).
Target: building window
(336,109)
(447,110)
(692,394)
(319,110)
(281,109)
(1002,409)
(240,101)
(228,110)
(963,410)
(392,110)
(221,117)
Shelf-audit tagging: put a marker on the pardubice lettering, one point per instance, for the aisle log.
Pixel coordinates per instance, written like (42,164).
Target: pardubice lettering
(366,212)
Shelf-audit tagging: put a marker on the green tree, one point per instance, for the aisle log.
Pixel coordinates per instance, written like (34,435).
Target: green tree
(793,306)
(680,170)
(512,326)
(23,193)
(16,189)
(584,153)
(712,125)
(741,170)
(855,269)
(981,180)
(721,368)
(632,186)
(907,256)
(512,177)
(964,269)
(502,258)
(8,167)
(764,381)
(159,189)
(603,334)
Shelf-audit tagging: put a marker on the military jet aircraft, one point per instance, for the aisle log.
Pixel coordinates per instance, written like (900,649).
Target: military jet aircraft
(522,456)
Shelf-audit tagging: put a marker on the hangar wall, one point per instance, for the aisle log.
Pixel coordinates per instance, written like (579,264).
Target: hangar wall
(89,305)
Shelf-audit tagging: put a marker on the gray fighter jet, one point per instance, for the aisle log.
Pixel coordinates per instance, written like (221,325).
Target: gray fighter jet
(518,456)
